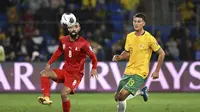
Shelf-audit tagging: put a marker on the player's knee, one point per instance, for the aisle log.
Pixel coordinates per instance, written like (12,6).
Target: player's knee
(121,97)
(43,73)
(65,93)
(116,97)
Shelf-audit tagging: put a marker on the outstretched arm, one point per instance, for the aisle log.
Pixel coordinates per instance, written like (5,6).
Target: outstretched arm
(56,54)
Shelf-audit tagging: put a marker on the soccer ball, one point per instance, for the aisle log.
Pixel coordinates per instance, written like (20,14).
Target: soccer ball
(68,20)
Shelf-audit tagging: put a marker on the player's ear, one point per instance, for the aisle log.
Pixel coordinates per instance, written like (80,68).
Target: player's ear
(79,28)
(144,23)
(78,25)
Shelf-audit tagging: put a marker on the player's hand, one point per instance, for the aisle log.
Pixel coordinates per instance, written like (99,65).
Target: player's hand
(116,57)
(155,74)
(94,73)
(47,67)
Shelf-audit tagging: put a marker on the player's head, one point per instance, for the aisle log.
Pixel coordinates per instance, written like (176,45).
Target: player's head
(139,21)
(74,30)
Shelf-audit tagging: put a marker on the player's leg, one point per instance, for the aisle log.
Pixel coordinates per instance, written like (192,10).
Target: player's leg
(122,83)
(132,96)
(121,95)
(133,86)
(65,99)
(133,83)
(70,84)
(143,92)
(121,98)
(120,86)
(45,75)
(127,82)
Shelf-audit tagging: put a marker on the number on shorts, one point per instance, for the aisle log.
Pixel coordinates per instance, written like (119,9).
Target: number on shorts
(74,83)
(70,53)
(130,82)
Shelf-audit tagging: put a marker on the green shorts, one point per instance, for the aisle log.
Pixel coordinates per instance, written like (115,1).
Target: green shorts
(131,83)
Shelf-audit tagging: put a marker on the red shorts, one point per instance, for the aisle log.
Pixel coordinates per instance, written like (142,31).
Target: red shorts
(68,80)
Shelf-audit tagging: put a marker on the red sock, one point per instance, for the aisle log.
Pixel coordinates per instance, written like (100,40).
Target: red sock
(66,106)
(45,86)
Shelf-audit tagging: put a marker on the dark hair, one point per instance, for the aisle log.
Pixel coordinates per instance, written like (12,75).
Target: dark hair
(141,15)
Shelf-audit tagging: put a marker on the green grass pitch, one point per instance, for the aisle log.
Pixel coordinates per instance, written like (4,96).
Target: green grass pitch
(102,102)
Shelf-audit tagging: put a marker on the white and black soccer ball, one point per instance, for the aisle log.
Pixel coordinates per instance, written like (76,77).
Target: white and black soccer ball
(68,19)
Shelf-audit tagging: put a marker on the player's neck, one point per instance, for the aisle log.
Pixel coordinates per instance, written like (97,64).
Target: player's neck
(73,39)
(140,32)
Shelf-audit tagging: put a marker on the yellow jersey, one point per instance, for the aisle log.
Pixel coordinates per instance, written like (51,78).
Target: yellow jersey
(140,48)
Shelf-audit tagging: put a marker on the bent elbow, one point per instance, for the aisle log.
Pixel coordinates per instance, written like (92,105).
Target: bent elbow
(163,54)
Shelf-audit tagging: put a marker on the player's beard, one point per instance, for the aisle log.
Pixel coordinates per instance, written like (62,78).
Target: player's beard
(73,34)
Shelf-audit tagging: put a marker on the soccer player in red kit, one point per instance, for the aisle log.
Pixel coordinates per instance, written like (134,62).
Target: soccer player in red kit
(75,49)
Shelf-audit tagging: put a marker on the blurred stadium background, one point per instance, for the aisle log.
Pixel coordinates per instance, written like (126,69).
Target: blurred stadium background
(29,34)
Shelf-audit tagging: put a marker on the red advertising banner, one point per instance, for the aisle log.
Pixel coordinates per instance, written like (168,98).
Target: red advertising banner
(174,76)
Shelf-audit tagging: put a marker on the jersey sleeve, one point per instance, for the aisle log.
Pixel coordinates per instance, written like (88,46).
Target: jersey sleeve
(126,47)
(56,54)
(154,44)
(88,49)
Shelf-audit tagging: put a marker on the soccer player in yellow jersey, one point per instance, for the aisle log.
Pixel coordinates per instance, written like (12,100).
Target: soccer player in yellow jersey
(138,49)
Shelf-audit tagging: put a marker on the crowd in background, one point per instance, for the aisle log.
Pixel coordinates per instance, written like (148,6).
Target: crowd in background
(30,29)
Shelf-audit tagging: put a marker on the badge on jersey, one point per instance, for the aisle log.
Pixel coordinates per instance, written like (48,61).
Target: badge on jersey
(77,49)
(141,46)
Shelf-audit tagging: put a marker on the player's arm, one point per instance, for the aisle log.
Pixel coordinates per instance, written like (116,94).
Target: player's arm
(156,48)
(124,55)
(161,56)
(56,54)
(87,48)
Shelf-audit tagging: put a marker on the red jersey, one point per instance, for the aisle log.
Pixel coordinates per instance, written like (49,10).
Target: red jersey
(74,55)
